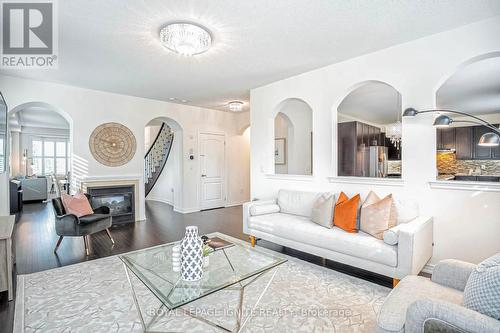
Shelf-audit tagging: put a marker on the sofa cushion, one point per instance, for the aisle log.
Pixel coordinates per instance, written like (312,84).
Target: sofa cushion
(297,202)
(392,315)
(77,204)
(482,291)
(301,229)
(322,210)
(264,209)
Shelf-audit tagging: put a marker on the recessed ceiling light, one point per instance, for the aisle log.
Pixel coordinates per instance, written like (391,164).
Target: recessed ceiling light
(235,106)
(172,98)
(184,101)
(185,38)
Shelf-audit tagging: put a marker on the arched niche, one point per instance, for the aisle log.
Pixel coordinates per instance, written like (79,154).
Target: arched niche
(293,138)
(472,88)
(369,131)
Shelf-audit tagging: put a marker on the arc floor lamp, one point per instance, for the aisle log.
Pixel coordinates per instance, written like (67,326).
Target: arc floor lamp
(490,139)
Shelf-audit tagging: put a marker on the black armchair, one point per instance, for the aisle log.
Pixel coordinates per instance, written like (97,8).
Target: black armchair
(84,226)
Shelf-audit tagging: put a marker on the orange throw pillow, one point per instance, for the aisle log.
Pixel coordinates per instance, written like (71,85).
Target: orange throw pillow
(77,205)
(346,213)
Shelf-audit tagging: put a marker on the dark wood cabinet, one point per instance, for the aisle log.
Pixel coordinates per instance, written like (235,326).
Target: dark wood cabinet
(481,153)
(353,136)
(348,141)
(463,143)
(445,138)
(464,140)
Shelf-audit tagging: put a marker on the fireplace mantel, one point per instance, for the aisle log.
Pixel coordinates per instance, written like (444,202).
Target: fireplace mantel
(135,180)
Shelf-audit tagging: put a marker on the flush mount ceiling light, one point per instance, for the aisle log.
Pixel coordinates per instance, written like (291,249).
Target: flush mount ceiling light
(185,38)
(235,106)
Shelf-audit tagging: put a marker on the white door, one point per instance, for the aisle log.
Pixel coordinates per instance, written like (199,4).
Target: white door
(212,170)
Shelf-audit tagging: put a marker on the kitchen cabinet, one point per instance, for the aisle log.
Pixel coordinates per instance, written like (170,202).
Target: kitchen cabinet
(445,138)
(463,143)
(351,137)
(464,140)
(481,153)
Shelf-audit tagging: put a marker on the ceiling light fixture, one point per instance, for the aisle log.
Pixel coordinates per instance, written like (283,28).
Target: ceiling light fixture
(185,38)
(489,139)
(235,106)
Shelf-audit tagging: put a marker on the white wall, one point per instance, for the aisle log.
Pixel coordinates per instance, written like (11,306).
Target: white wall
(467,223)
(89,108)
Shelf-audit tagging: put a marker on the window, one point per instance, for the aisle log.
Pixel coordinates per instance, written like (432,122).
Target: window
(50,156)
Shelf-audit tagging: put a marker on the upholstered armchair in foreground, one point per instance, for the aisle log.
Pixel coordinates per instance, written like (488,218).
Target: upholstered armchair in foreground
(460,297)
(73,226)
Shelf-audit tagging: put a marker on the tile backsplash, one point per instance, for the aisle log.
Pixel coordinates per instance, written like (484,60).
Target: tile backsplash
(448,164)
(394,167)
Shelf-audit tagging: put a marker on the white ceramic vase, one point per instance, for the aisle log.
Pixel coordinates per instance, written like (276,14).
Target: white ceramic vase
(191,255)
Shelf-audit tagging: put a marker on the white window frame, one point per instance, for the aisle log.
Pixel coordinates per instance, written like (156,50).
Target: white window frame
(66,156)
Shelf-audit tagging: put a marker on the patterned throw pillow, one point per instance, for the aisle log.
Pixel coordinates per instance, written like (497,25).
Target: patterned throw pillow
(378,215)
(482,291)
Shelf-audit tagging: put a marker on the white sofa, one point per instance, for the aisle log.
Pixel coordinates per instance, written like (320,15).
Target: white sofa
(286,221)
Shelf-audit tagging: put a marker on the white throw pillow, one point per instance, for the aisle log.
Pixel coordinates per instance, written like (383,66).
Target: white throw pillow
(322,210)
(407,210)
(264,209)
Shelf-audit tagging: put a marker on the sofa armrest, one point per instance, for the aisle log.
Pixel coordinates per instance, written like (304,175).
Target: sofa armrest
(452,273)
(428,315)
(246,211)
(414,246)
(102,210)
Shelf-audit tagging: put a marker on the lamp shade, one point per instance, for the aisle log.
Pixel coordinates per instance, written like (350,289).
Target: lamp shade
(410,112)
(443,121)
(489,139)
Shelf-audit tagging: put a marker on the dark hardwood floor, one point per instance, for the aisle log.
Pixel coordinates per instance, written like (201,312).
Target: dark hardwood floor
(35,238)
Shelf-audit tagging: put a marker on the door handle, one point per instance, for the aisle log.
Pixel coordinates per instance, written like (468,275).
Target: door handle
(203,175)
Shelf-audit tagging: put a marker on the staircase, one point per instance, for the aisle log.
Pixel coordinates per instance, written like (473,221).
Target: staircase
(157,157)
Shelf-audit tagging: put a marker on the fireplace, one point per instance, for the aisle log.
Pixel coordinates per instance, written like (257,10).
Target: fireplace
(119,199)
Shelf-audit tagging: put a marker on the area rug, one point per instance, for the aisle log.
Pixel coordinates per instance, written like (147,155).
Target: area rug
(95,297)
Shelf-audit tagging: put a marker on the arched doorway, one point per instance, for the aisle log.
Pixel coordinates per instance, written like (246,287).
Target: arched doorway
(40,149)
(163,161)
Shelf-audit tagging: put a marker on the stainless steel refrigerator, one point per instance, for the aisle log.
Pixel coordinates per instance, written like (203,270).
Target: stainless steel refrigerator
(372,161)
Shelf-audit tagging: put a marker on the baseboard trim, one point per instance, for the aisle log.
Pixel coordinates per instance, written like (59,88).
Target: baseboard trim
(429,268)
(187,210)
(168,202)
(236,203)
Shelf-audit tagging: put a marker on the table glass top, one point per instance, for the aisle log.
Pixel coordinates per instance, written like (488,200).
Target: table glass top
(227,266)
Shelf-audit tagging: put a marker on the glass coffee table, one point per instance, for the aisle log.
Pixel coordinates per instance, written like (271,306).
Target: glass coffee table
(232,285)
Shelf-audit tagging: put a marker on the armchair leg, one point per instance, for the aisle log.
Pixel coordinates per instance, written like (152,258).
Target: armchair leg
(110,237)
(86,243)
(253,240)
(58,243)
(395,282)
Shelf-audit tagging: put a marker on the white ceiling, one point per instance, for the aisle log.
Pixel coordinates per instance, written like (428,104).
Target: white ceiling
(373,102)
(113,45)
(473,89)
(38,117)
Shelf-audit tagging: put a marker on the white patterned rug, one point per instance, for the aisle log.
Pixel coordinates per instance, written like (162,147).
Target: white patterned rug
(95,296)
